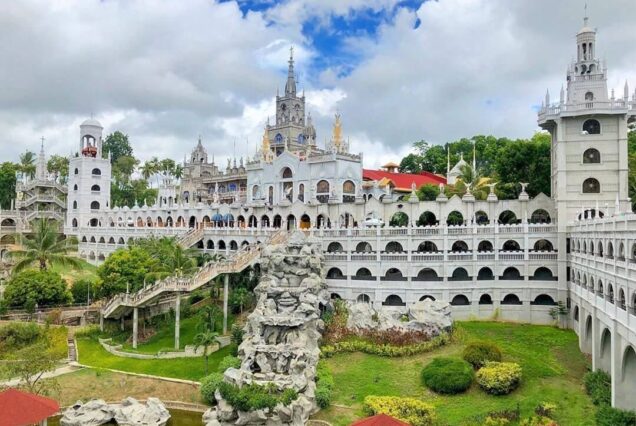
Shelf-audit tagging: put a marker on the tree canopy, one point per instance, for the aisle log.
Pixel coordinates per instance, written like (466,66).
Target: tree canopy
(29,287)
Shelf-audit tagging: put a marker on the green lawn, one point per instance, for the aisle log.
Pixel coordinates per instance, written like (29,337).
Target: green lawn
(552,366)
(85,271)
(92,354)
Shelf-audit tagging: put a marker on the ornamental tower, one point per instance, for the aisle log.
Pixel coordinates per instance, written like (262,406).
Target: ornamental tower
(88,181)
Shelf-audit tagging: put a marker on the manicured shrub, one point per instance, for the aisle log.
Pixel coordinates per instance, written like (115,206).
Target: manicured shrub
(383,350)
(478,353)
(254,397)
(229,362)
(209,385)
(598,386)
(609,416)
(448,375)
(410,410)
(499,378)
(324,385)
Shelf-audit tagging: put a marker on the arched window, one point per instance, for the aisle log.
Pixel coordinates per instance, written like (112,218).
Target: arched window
(508,217)
(543,299)
(459,274)
(589,96)
(364,247)
(363,298)
(348,192)
(484,246)
(485,274)
(301,192)
(399,219)
(394,247)
(591,155)
(540,216)
(95,205)
(75,187)
(96,172)
(426,219)
(543,273)
(95,188)
(334,247)
(460,300)
(335,273)
(454,218)
(543,245)
(76,172)
(427,274)
(427,296)
(511,299)
(511,273)
(592,127)
(287,173)
(621,299)
(427,247)
(363,274)
(511,245)
(459,246)
(394,300)
(74,223)
(591,186)
(322,191)
(485,299)
(74,205)
(393,274)
(481,218)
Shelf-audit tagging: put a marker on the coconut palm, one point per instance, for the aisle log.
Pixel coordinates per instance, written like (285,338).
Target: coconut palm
(206,339)
(478,183)
(44,247)
(181,261)
(27,164)
(148,169)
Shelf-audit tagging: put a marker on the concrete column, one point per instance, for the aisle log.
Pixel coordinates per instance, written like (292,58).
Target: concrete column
(177,321)
(595,342)
(615,367)
(122,323)
(101,321)
(134,336)
(226,291)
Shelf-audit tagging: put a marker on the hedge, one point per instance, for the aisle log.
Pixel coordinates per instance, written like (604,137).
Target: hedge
(410,410)
(609,416)
(478,353)
(209,385)
(448,375)
(499,378)
(383,350)
(254,397)
(324,385)
(598,386)
(229,362)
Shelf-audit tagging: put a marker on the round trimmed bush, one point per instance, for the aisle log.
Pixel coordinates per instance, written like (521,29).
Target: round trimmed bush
(448,375)
(478,353)
(499,378)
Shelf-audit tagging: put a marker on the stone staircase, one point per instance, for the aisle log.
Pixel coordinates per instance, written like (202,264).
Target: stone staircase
(147,295)
(72,351)
(190,238)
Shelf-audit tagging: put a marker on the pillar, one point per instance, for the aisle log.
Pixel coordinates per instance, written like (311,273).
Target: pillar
(101,321)
(177,321)
(121,326)
(226,291)
(134,336)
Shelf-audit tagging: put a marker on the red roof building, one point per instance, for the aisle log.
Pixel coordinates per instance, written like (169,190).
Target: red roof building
(379,420)
(19,408)
(402,182)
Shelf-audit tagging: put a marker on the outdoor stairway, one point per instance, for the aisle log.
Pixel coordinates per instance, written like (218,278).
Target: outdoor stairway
(190,238)
(72,352)
(236,263)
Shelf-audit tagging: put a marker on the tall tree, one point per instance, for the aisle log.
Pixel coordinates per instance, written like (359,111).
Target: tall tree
(58,165)
(118,145)
(206,339)
(7,183)
(27,164)
(44,248)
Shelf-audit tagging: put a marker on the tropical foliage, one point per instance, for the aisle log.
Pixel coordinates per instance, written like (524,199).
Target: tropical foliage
(44,247)
(411,410)
(207,340)
(44,288)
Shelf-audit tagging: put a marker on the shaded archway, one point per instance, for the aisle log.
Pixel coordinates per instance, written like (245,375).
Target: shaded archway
(485,274)
(393,300)
(459,247)
(335,273)
(291,222)
(543,273)
(394,247)
(459,274)
(363,298)
(393,274)
(481,218)
(540,216)
(427,274)
(460,300)
(484,246)
(399,219)
(511,273)
(626,383)
(334,247)
(605,354)
(427,247)
(544,300)
(511,299)
(511,245)
(485,299)
(364,247)
(455,218)
(426,219)
(363,274)
(543,245)
(508,217)
(427,296)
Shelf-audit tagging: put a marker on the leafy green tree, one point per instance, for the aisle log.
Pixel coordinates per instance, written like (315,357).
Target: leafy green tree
(27,164)
(58,166)
(124,269)
(239,298)
(428,192)
(118,145)
(33,286)
(208,316)
(527,161)
(44,247)
(399,219)
(123,169)
(412,163)
(7,183)
(82,288)
(206,339)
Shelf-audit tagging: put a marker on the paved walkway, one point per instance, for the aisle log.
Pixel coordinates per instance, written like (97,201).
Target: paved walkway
(57,372)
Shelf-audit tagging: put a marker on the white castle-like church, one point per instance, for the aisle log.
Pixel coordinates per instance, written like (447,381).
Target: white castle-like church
(577,247)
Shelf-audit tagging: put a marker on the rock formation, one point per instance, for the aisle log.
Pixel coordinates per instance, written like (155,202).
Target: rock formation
(280,345)
(431,317)
(129,412)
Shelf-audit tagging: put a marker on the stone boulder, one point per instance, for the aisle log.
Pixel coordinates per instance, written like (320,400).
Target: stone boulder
(428,315)
(95,412)
(131,412)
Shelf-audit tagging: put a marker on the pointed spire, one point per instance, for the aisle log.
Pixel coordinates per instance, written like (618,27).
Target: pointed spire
(626,91)
(41,169)
(562,95)
(290,86)
(547,97)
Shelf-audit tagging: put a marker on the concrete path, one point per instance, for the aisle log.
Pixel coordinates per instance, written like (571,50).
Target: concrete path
(65,369)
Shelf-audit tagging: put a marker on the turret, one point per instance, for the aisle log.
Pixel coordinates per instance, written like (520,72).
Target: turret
(91,138)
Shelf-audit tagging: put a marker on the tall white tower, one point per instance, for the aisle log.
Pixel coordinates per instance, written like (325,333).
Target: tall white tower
(89,180)
(589,137)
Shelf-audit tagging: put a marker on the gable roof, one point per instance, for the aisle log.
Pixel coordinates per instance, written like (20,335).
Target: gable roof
(403,181)
(380,420)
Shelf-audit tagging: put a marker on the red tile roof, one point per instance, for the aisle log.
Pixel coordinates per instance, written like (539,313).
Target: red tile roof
(403,181)
(379,420)
(19,408)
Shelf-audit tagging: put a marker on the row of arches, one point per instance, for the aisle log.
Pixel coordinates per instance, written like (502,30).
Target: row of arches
(459,246)
(602,249)
(456,218)
(458,300)
(429,274)
(607,290)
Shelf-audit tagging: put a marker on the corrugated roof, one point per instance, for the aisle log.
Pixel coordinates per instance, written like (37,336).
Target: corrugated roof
(19,408)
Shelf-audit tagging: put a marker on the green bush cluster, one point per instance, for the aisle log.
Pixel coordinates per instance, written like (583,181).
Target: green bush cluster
(499,378)
(31,287)
(410,410)
(209,385)
(478,353)
(448,375)
(229,362)
(598,386)
(609,416)
(17,335)
(254,397)
(324,385)
(383,350)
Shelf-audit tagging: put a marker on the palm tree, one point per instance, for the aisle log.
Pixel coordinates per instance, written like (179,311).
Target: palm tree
(177,172)
(182,261)
(27,164)
(206,339)
(45,247)
(478,183)
(208,315)
(148,169)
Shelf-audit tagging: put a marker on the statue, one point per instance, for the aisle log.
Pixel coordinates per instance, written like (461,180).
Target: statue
(491,186)
(523,187)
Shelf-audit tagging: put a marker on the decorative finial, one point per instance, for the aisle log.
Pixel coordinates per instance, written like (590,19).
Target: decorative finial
(585,19)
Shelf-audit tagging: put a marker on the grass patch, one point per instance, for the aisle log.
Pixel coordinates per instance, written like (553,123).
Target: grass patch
(85,271)
(552,364)
(92,354)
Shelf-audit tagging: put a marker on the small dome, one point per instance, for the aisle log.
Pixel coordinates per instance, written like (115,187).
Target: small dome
(91,122)
(585,30)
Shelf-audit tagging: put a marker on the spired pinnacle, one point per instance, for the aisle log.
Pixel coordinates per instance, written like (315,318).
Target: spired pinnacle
(290,86)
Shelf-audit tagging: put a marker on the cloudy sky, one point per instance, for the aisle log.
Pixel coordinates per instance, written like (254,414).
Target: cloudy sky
(166,71)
